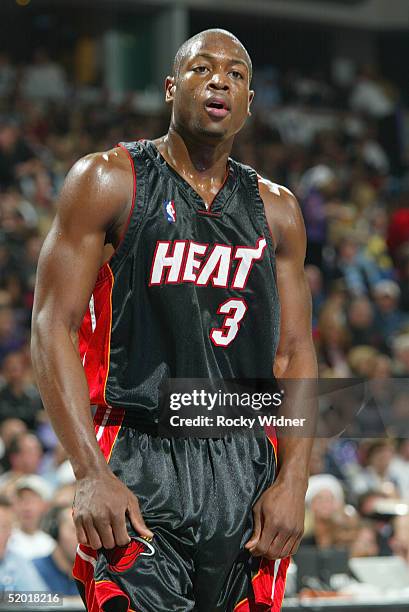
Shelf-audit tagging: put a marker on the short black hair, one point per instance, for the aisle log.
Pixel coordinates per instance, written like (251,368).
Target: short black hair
(15,443)
(52,520)
(5,502)
(185,47)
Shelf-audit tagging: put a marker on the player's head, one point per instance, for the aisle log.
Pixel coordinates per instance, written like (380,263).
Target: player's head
(210,86)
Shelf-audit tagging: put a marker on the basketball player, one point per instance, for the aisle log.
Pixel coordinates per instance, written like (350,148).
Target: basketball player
(168,259)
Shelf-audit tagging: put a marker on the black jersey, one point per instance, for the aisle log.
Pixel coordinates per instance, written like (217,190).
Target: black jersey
(190,292)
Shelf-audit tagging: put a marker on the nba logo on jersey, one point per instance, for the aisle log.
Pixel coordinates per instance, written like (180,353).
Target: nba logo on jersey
(170,210)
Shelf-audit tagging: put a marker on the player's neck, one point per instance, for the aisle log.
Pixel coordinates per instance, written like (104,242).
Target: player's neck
(200,162)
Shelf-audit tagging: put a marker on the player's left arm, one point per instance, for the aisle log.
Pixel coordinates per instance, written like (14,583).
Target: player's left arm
(279,513)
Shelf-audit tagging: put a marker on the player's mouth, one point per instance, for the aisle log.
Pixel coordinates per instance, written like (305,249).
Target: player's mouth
(217,108)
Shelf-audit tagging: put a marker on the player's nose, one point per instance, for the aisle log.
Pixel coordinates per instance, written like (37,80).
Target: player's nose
(219,82)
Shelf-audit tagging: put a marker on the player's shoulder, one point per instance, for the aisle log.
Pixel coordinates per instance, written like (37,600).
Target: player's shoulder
(273,193)
(102,165)
(99,186)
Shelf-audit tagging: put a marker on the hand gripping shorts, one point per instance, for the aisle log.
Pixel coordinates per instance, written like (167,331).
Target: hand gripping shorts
(196,495)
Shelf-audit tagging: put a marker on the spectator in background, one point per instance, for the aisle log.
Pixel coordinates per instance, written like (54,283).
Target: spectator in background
(17,399)
(400,347)
(9,429)
(29,268)
(56,469)
(16,156)
(359,273)
(44,79)
(12,336)
(32,496)
(7,76)
(318,191)
(315,282)
(383,367)
(56,568)
(18,215)
(346,524)
(371,507)
(388,317)
(361,323)
(362,360)
(378,100)
(324,498)
(367,503)
(365,543)
(24,457)
(16,573)
(399,541)
(404,277)
(376,475)
(399,466)
(399,425)
(317,460)
(369,97)
(8,266)
(333,341)
(398,230)
(376,247)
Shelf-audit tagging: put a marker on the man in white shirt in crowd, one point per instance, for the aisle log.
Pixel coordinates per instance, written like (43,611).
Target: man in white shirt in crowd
(16,573)
(31,503)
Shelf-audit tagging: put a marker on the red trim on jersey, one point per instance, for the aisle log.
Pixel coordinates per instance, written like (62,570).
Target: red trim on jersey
(209,214)
(84,572)
(95,345)
(272,436)
(106,589)
(96,593)
(268,591)
(107,423)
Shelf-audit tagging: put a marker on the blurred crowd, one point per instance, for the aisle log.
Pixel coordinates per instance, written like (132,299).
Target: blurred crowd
(340,143)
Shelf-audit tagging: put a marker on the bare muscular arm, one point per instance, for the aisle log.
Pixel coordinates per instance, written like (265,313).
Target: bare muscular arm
(279,513)
(95,198)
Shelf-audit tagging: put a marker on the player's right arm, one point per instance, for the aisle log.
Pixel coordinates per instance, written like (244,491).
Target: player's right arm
(95,198)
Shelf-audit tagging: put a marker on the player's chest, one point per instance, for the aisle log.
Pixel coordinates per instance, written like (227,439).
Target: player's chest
(184,245)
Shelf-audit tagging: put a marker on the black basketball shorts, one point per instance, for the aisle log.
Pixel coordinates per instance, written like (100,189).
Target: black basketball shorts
(196,495)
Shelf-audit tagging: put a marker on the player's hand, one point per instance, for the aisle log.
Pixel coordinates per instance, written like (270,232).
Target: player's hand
(100,507)
(278,522)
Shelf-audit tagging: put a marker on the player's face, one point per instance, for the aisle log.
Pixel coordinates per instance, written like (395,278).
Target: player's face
(211,96)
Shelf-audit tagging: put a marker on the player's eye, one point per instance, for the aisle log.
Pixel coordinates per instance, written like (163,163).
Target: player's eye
(200,69)
(236,74)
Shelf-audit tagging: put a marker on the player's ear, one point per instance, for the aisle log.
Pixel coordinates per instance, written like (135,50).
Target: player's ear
(169,88)
(251,98)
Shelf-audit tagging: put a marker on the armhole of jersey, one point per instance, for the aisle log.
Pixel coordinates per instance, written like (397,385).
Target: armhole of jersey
(262,216)
(133,199)
(268,233)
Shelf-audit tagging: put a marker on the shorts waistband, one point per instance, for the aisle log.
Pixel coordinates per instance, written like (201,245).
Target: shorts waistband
(113,416)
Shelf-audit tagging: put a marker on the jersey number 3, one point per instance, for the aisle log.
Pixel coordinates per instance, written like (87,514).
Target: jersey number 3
(234,311)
